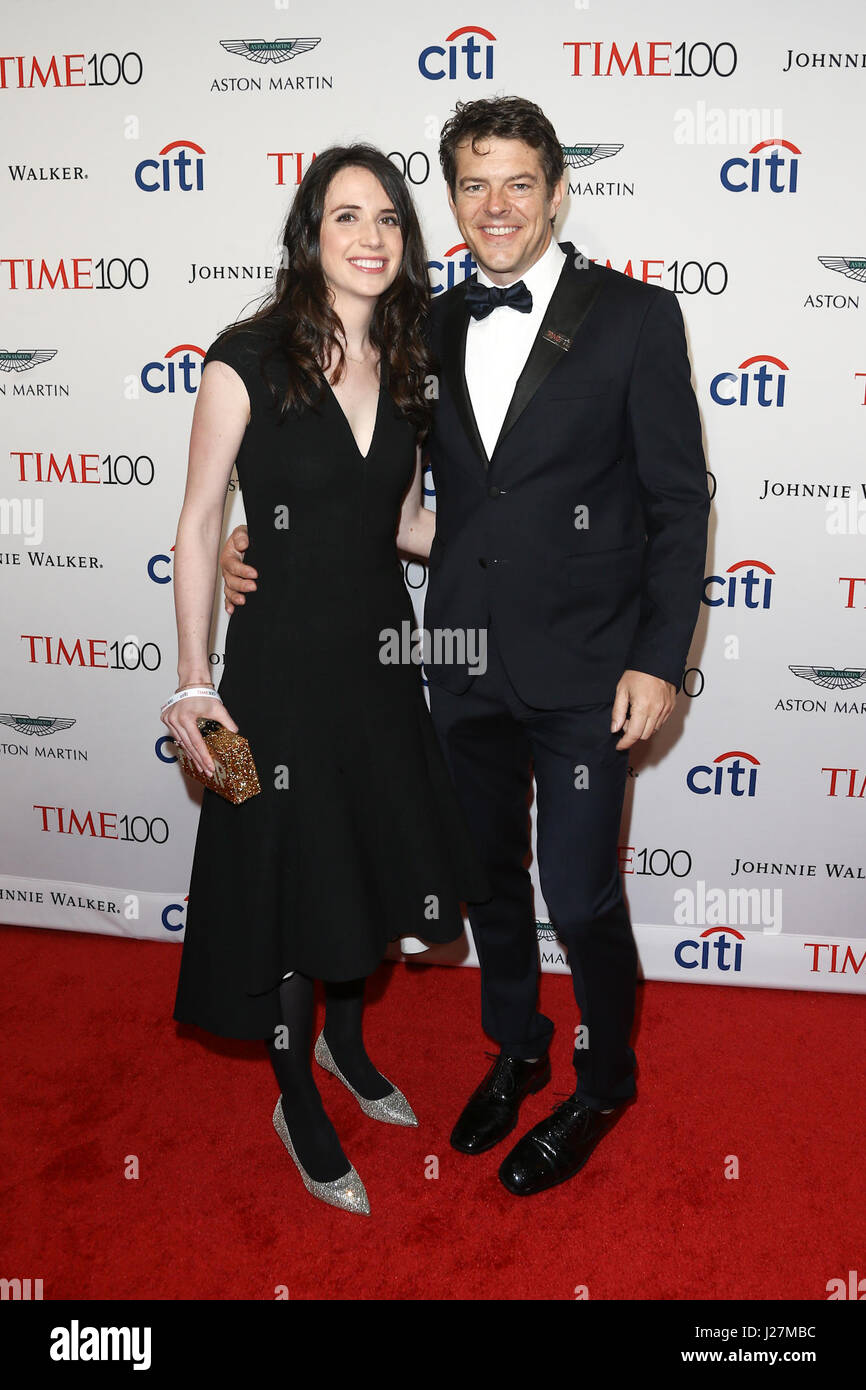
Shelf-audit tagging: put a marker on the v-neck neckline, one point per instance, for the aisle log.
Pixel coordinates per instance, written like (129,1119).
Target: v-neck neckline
(333,394)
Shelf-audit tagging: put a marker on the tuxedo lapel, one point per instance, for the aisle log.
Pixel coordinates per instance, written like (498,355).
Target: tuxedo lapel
(570,302)
(452,362)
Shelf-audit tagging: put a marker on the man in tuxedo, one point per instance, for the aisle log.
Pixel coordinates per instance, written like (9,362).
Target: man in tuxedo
(571,527)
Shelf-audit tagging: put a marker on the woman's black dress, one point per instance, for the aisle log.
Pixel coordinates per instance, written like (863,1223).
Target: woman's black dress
(356,837)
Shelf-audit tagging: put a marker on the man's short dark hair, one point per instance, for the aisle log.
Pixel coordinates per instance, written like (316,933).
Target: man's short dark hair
(504,118)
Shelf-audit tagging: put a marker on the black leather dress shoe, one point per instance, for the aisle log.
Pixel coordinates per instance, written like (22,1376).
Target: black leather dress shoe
(556,1148)
(492,1110)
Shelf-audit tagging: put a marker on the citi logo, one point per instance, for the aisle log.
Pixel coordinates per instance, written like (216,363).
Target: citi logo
(737,779)
(183,173)
(707,954)
(173,915)
(742,590)
(742,175)
(469,59)
(769,385)
(165,749)
(155,566)
(179,371)
(457,259)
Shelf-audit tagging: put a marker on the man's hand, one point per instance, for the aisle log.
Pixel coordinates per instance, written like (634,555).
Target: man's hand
(238,578)
(648,702)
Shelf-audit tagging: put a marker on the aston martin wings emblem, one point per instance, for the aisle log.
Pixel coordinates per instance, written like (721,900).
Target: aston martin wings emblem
(852,267)
(830,677)
(545,932)
(262,51)
(35,724)
(22,358)
(579,156)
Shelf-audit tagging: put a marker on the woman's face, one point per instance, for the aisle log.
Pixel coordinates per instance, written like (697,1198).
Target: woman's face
(360,242)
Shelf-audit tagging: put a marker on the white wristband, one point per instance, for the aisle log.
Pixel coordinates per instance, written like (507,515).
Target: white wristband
(185,694)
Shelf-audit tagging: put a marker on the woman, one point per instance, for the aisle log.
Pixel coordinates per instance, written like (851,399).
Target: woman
(356,837)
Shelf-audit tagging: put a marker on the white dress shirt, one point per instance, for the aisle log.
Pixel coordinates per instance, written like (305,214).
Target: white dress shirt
(497,346)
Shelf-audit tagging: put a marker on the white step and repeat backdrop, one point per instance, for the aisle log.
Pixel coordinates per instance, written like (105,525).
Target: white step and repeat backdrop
(149,156)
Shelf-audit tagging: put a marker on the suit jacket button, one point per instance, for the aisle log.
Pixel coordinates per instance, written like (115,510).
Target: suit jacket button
(482,562)
(494,492)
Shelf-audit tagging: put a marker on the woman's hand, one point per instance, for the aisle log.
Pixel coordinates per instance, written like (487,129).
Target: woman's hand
(180,720)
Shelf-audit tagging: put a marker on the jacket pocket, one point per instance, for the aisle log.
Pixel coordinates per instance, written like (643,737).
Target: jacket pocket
(622,564)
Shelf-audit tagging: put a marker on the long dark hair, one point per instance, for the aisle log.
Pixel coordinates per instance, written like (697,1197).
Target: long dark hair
(299,306)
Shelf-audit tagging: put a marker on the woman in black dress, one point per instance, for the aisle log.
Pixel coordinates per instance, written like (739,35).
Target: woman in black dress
(356,837)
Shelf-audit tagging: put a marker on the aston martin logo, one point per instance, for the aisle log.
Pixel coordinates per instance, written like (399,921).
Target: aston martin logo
(35,723)
(579,156)
(545,931)
(853,267)
(23,358)
(831,677)
(262,51)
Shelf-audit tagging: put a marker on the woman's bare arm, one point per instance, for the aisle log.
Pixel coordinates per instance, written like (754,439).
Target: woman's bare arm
(220,417)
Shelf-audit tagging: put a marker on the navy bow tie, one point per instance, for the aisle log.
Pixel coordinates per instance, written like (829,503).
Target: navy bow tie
(481,300)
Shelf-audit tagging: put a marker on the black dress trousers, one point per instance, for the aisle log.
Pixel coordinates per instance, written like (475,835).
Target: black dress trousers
(492,741)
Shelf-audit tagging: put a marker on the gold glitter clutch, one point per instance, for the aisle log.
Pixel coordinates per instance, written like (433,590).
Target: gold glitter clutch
(234,774)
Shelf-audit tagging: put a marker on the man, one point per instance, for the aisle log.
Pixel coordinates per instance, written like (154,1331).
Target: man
(571,524)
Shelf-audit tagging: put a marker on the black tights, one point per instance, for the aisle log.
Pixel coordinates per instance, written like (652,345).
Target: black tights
(313,1136)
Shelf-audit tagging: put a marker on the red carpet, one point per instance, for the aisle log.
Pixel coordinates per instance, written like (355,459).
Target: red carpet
(95,1070)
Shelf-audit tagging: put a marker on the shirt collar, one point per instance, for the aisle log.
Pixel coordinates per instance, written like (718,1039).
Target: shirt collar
(541,277)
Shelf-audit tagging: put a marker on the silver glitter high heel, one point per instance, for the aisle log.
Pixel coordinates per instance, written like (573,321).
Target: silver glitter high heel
(393,1109)
(347,1192)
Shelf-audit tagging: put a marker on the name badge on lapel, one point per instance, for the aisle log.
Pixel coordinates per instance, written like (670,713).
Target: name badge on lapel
(558,339)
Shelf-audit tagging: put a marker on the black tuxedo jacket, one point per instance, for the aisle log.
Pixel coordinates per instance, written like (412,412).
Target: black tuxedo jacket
(583,537)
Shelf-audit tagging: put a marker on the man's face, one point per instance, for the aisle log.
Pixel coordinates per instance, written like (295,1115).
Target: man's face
(502,206)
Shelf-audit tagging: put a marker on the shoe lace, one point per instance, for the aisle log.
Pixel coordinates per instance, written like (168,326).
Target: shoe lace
(502,1080)
(561,1119)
